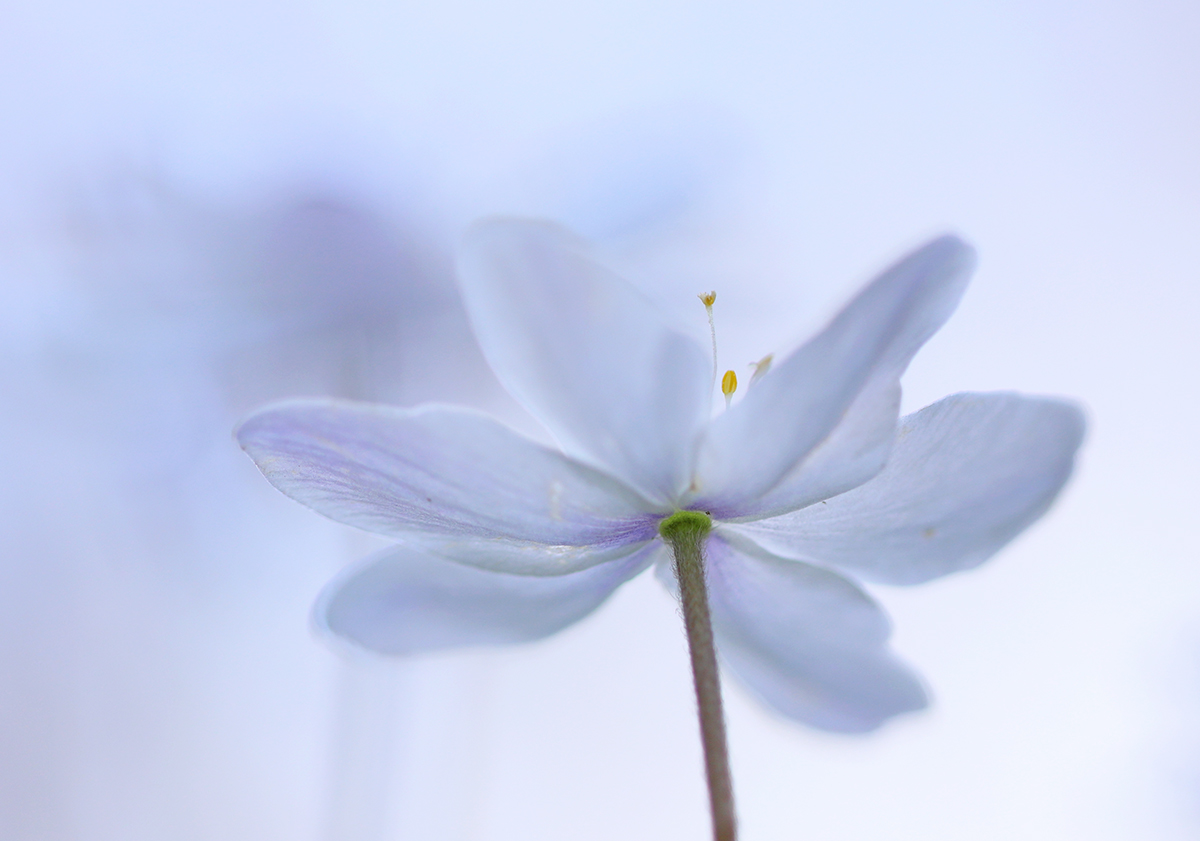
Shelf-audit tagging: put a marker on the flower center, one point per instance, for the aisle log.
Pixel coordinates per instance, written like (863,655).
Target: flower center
(729,382)
(685,524)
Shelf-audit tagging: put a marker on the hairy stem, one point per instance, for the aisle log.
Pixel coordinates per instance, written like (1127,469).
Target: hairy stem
(685,531)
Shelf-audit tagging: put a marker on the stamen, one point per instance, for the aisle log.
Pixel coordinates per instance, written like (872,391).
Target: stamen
(708,299)
(728,386)
(761,367)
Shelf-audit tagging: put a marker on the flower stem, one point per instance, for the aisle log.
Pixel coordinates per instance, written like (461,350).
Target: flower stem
(685,531)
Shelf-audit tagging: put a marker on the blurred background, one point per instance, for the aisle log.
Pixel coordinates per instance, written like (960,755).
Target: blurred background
(206,206)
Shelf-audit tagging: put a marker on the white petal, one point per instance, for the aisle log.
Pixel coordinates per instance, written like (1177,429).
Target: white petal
(585,353)
(851,366)
(966,475)
(520,557)
(808,642)
(442,471)
(407,600)
(854,452)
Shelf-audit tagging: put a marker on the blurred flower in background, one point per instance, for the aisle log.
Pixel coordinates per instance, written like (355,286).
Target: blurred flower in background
(159,667)
(152,678)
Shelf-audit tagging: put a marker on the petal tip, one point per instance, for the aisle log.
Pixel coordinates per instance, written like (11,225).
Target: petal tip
(485,236)
(262,418)
(951,246)
(951,254)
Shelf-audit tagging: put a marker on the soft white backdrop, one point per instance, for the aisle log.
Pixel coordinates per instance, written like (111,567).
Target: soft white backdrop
(209,205)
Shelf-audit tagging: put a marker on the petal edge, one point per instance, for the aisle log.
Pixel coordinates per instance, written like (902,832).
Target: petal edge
(407,601)
(966,475)
(585,353)
(437,470)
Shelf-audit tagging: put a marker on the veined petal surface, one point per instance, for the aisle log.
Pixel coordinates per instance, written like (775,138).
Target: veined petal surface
(410,599)
(851,365)
(966,475)
(586,354)
(807,641)
(439,470)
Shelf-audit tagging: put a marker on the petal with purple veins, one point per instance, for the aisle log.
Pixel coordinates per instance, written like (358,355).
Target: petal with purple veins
(440,471)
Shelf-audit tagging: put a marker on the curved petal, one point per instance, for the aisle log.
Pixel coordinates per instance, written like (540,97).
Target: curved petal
(585,353)
(808,642)
(966,475)
(852,365)
(407,600)
(438,470)
(854,453)
(520,557)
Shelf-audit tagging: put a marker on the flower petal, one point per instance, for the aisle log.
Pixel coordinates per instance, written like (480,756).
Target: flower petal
(966,475)
(585,353)
(408,600)
(519,557)
(442,471)
(808,642)
(852,365)
(854,453)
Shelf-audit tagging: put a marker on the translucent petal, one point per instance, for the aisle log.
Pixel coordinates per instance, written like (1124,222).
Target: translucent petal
(966,475)
(854,452)
(409,599)
(807,641)
(442,471)
(851,366)
(521,557)
(586,354)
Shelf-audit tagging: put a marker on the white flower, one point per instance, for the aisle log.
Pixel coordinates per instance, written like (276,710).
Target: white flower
(810,479)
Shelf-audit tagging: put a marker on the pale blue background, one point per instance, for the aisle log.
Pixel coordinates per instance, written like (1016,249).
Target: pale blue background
(207,205)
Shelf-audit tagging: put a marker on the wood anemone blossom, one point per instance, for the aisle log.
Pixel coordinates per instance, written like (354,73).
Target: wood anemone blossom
(763,518)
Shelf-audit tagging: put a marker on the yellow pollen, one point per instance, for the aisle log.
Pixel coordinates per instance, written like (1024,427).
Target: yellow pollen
(729,383)
(728,386)
(709,298)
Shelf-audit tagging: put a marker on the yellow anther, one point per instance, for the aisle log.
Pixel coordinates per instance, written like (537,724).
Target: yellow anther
(729,383)
(709,298)
(761,367)
(728,386)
